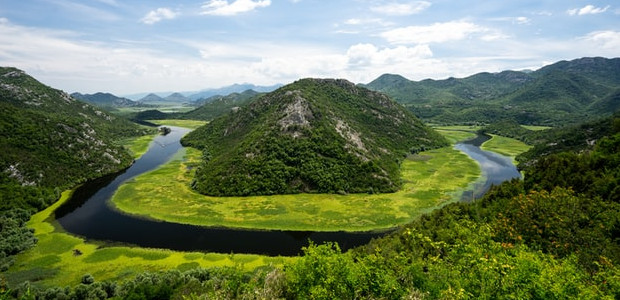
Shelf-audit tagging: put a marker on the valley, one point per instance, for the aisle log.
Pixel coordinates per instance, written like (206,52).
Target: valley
(54,261)
(328,187)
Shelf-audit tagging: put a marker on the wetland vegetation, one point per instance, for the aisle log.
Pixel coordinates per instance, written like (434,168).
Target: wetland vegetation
(550,236)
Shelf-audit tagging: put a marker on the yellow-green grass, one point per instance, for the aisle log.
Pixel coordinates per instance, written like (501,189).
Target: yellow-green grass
(432,179)
(52,262)
(138,145)
(535,128)
(191,124)
(455,136)
(505,146)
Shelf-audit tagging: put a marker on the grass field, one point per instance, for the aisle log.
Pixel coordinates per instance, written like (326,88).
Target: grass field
(53,261)
(138,145)
(505,146)
(431,179)
(535,128)
(191,124)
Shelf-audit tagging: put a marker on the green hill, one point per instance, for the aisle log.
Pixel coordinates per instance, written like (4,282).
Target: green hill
(314,135)
(51,141)
(566,92)
(106,100)
(216,106)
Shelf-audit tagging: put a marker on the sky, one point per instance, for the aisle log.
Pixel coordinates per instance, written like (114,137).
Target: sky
(128,46)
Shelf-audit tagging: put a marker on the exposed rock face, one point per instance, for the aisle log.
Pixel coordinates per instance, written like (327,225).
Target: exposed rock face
(50,139)
(314,135)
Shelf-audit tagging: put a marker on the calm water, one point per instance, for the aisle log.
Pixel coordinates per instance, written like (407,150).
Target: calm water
(495,168)
(88,214)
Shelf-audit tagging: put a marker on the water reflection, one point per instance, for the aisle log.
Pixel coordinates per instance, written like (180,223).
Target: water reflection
(495,168)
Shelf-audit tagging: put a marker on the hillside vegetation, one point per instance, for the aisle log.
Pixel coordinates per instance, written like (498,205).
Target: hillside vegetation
(566,92)
(51,141)
(549,238)
(314,135)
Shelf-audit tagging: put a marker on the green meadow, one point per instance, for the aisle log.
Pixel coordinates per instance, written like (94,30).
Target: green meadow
(505,146)
(430,179)
(535,128)
(61,259)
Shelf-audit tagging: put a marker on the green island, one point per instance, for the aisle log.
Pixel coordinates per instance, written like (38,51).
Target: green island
(55,263)
(551,235)
(432,179)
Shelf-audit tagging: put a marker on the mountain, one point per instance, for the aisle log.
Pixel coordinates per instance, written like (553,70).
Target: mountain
(151,98)
(51,141)
(314,135)
(566,92)
(176,97)
(235,88)
(105,100)
(215,106)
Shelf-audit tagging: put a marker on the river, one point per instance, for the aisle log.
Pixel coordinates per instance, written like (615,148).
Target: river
(88,214)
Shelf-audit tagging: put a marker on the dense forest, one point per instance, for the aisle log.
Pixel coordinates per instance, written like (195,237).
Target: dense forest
(50,142)
(553,236)
(326,136)
(562,93)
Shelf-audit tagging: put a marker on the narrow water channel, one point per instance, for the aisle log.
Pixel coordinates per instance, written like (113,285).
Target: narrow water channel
(87,213)
(495,168)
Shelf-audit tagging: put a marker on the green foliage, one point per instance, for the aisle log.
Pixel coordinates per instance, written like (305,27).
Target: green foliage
(216,106)
(15,237)
(324,136)
(50,142)
(559,94)
(46,133)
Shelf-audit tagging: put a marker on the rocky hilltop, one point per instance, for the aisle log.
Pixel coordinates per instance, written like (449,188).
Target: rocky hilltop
(314,135)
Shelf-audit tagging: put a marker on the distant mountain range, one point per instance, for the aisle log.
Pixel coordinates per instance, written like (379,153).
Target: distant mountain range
(206,93)
(105,100)
(561,93)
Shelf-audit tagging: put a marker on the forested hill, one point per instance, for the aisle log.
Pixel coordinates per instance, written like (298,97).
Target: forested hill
(567,92)
(105,100)
(314,135)
(215,106)
(51,141)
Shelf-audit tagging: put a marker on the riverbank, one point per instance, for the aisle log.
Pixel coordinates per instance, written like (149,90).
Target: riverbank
(431,180)
(61,259)
(54,261)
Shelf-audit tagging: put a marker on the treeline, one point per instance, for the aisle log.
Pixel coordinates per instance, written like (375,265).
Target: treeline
(563,93)
(572,138)
(50,142)
(552,236)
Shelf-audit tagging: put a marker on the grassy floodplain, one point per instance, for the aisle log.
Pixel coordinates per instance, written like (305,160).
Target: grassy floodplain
(535,128)
(431,179)
(53,261)
(138,145)
(505,146)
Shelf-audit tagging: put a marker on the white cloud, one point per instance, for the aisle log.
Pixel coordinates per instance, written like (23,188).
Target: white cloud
(224,8)
(606,40)
(587,10)
(401,9)
(368,55)
(157,15)
(435,33)
(372,22)
(522,20)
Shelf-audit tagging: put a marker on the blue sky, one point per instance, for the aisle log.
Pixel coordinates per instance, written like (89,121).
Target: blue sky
(125,46)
